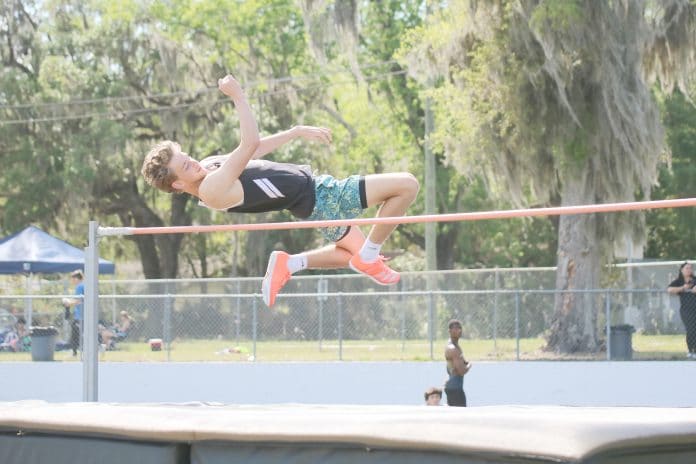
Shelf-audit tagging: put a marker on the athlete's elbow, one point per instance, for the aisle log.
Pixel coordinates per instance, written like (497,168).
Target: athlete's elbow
(247,148)
(250,142)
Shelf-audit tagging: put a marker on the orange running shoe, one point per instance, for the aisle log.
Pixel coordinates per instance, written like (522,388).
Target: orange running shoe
(277,275)
(377,271)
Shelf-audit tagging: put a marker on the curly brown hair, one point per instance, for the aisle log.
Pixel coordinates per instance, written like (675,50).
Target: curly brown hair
(156,166)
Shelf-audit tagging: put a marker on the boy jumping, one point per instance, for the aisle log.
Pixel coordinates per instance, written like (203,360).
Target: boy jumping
(242,182)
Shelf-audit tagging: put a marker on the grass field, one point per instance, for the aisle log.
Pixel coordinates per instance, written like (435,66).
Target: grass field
(646,347)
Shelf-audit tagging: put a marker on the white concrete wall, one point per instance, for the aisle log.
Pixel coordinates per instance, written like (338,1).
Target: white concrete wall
(560,383)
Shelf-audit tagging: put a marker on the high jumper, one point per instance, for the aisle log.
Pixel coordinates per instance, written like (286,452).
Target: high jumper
(242,182)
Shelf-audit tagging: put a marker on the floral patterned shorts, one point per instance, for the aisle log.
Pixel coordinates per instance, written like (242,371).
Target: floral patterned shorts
(338,199)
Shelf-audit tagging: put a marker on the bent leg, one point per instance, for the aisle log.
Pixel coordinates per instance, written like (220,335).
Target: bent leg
(336,255)
(394,193)
(345,253)
(107,338)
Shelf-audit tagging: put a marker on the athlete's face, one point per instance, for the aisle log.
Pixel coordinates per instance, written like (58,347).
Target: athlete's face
(188,171)
(455,331)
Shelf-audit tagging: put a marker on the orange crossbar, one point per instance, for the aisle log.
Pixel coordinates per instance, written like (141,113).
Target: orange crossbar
(453,217)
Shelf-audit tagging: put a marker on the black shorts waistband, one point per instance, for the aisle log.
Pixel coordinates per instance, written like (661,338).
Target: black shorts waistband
(363,193)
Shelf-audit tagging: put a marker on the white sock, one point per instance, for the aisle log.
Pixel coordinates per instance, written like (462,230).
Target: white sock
(297,263)
(370,251)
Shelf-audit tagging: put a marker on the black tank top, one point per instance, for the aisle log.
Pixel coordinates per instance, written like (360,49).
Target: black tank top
(270,186)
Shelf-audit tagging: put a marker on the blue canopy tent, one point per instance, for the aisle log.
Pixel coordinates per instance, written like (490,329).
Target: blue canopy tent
(33,251)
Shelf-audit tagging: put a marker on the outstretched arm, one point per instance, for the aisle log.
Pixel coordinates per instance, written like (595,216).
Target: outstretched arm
(272,142)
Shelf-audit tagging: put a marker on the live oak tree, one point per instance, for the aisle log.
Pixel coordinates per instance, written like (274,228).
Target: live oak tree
(551,101)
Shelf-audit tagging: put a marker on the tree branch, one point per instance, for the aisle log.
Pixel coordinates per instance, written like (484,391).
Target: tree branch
(334,114)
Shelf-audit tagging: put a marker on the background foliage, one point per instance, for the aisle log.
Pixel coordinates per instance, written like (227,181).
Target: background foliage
(88,87)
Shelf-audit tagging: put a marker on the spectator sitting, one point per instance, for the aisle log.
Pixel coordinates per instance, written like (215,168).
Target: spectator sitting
(116,333)
(18,338)
(9,341)
(23,334)
(124,326)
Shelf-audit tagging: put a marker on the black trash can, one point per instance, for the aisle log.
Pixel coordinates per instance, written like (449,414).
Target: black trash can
(621,345)
(43,343)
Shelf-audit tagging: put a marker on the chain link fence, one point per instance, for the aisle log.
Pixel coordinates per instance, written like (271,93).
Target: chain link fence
(506,314)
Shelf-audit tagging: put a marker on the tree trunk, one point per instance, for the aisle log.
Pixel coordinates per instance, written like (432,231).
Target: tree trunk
(446,245)
(574,324)
(159,254)
(168,245)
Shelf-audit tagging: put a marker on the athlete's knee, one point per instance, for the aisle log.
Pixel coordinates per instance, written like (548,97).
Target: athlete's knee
(410,186)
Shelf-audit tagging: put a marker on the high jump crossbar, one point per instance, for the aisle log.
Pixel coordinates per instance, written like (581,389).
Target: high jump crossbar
(453,217)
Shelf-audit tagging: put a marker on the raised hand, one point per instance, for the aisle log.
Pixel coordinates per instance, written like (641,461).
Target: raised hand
(319,134)
(230,86)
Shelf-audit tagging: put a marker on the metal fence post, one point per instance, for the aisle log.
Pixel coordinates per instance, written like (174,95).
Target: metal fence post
(517,323)
(340,326)
(431,322)
(29,302)
(254,323)
(320,335)
(403,316)
(322,288)
(403,328)
(90,317)
(495,312)
(167,322)
(238,316)
(114,318)
(607,308)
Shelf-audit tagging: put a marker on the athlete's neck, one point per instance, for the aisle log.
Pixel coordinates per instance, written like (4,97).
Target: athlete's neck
(193,188)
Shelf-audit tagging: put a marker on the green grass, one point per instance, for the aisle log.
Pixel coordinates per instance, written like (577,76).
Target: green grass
(646,347)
